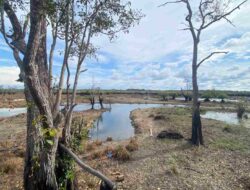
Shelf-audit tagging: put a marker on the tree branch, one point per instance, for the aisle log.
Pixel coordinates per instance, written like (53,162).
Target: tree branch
(171,2)
(88,168)
(223,16)
(209,56)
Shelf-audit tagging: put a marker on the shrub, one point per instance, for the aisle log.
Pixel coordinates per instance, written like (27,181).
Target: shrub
(240,110)
(109,139)
(132,145)
(228,129)
(121,153)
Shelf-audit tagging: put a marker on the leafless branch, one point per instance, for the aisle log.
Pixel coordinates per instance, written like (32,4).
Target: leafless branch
(82,71)
(171,2)
(209,56)
(223,16)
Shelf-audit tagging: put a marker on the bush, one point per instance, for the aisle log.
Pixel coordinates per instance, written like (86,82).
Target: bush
(132,145)
(121,153)
(241,109)
(228,129)
(109,139)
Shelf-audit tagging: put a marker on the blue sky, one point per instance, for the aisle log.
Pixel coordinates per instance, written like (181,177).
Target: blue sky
(156,54)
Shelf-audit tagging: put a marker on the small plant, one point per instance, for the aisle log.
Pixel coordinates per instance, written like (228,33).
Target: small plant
(132,145)
(121,153)
(241,109)
(228,128)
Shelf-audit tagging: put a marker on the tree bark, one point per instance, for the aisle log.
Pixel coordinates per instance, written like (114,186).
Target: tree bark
(40,157)
(197,137)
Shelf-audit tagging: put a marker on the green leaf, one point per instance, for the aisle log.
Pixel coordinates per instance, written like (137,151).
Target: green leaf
(52,132)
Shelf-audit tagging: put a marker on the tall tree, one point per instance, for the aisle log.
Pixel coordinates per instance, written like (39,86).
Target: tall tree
(75,23)
(208,13)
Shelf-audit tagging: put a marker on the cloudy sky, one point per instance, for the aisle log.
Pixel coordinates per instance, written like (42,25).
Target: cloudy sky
(156,54)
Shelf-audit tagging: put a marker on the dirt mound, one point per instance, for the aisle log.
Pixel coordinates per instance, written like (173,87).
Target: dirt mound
(169,135)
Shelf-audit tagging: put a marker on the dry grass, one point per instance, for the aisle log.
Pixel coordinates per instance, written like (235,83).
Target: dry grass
(97,143)
(121,153)
(96,155)
(90,146)
(9,164)
(132,145)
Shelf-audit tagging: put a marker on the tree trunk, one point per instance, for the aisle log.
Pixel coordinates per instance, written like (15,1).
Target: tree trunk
(197,137)
(39,172)
(39,161)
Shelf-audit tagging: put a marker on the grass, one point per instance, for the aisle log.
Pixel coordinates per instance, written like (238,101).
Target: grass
(172,163)
(97,143)
(121,153)
(132,145)
(10,165)
(228,129)
(90,146)
(96,155)
(230,144)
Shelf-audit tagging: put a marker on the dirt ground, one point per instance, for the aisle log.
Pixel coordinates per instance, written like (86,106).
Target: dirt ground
(223,163)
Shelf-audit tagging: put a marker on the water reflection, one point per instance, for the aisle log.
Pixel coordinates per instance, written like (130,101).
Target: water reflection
(116,122)
(227,117)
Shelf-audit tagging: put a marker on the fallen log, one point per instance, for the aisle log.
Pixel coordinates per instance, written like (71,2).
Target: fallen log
(111,185)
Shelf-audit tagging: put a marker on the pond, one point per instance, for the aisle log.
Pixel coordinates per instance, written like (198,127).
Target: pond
(227,117)
(113,123)
(8,112)
(116,122)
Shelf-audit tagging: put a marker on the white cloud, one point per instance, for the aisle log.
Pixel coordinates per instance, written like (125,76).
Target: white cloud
(9,75)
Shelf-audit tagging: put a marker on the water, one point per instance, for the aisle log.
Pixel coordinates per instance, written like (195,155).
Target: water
(8,112)
(227,117)
(116,123)
(113,123)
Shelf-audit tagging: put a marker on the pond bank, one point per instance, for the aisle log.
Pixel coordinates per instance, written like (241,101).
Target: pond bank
(223,163)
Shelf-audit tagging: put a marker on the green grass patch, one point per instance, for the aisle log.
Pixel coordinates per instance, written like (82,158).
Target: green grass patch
(182,111)
(230,144)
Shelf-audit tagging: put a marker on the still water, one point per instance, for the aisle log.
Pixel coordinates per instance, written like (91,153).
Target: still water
(9,112)
(227,117)
(116,122)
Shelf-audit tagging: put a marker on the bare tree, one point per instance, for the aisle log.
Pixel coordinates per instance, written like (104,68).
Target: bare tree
(209,12)
(74,23)
(186,93)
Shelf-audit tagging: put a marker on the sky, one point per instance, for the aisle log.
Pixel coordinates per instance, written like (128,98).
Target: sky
(157,54)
